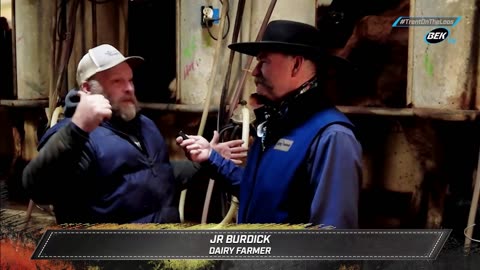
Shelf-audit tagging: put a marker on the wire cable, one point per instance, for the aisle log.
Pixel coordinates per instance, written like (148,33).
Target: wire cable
(214,20)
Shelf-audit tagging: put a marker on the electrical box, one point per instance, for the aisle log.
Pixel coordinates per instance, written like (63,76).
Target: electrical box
(206,15)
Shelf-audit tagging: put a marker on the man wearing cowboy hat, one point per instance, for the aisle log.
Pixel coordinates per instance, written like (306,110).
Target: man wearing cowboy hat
(305,167)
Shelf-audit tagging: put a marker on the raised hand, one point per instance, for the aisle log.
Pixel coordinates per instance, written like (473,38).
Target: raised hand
(198,149)
(91,111)
(232,150)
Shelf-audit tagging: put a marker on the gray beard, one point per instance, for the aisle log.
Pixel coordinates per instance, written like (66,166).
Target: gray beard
(127,113)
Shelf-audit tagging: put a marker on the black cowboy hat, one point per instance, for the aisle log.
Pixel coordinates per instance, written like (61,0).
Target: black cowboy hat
(293,38)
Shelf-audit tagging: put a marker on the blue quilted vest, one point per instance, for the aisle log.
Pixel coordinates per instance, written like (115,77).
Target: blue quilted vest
(275,185)
(127,186)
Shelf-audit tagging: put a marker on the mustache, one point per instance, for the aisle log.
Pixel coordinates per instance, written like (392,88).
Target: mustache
(130,98)
(262,81)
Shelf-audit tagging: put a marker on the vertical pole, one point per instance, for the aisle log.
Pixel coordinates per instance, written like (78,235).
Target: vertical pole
(473,209)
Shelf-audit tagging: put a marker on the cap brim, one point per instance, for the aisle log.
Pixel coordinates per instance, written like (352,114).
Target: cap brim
(134,61)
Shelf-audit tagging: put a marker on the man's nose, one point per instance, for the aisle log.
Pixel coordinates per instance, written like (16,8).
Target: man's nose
(129,87)
(256,70)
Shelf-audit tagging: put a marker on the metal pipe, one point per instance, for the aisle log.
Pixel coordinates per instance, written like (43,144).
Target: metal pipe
(239,89)
(178,94)
(226,86)
(473,209)
(207,103)
(214,68)
(14,50)
(232,211)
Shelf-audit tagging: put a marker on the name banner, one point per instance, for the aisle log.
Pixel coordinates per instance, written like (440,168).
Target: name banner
(241,244)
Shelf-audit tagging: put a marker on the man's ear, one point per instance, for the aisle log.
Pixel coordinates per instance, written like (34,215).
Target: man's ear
(85,87)
(296,65)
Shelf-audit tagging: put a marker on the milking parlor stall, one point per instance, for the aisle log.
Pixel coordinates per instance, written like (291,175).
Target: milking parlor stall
(414,101)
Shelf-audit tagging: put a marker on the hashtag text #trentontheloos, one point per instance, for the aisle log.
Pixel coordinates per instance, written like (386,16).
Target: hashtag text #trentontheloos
(426,21)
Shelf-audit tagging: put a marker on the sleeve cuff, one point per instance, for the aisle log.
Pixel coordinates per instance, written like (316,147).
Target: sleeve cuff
(76,132)
(214,158)
(213,161)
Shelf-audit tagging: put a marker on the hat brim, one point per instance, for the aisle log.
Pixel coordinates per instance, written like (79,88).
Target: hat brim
(313,53)
(254,48)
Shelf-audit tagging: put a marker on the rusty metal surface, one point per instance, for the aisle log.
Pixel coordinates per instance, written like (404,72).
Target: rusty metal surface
(391,160)
(403,157)
(441,73)
(24,103)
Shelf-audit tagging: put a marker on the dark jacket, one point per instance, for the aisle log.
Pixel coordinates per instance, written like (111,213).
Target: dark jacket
(104,177)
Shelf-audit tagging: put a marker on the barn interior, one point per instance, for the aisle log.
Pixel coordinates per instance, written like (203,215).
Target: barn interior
(415,105)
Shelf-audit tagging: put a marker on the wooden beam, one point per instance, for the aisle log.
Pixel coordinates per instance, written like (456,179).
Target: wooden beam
(438,114)
(177,107)
(27,103)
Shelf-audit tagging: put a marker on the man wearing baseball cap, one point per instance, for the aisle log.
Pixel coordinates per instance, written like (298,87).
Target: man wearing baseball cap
(305,165)
(105,162)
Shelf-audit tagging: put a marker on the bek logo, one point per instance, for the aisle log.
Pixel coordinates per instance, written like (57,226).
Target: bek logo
(437,35)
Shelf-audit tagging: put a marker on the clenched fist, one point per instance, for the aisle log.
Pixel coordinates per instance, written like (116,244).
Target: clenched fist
(91,111)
